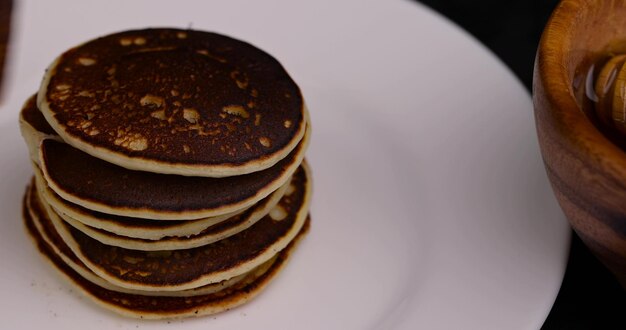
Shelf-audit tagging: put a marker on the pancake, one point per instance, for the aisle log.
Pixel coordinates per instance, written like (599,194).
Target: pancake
(202,230)
(160,307)
(127,226)
(46,230)
(191,268)
(174,102)
(211,234)
(34,127)
(31,116)
(131,227)
(241,192)
(100,186)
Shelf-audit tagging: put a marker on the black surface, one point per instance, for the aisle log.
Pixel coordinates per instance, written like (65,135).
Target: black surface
(590,298)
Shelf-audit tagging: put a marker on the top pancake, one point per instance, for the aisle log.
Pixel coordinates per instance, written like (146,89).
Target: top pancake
(174,102)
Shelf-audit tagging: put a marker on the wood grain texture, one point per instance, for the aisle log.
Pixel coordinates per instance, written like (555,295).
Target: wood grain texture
(587,171)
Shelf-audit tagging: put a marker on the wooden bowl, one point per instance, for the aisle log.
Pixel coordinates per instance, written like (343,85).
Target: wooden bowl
(586,169)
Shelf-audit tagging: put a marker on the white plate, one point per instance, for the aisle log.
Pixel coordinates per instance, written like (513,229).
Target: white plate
(431,208)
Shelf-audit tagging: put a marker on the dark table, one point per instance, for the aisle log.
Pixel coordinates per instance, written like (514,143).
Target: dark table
(590,298)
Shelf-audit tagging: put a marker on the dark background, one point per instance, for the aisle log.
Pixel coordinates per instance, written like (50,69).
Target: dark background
(590,298)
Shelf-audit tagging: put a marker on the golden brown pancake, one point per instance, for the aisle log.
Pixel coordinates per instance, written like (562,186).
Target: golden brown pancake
(31,115)
(174,102)
(38,214)
(171,179)
(211,234)
(128,226)
(171,234)
(141,188)
(104,187)
(191,268)
(159,307)
(34,127)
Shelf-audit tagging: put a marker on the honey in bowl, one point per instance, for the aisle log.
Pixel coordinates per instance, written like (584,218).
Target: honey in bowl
(601,89)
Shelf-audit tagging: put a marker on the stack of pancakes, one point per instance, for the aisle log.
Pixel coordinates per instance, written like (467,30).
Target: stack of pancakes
(169,173)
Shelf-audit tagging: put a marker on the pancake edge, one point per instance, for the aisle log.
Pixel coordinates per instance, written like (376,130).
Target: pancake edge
(236,299)
(87,274)
(143,164)
(32,136)
(244,267)
(188,228)
(134,243)
(152,214)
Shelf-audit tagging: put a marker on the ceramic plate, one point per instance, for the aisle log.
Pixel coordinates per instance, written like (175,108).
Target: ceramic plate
(431,207)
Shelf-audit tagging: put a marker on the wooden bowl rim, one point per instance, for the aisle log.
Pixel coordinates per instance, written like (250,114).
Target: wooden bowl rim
(572,124)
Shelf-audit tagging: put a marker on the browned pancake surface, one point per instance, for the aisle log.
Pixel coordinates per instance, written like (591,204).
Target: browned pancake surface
(173,268)
(89,178)
(130,223)
(122,221)
(39,215)
(48,229)
(220,227)
(160,306)
(34,117)
(176,96)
